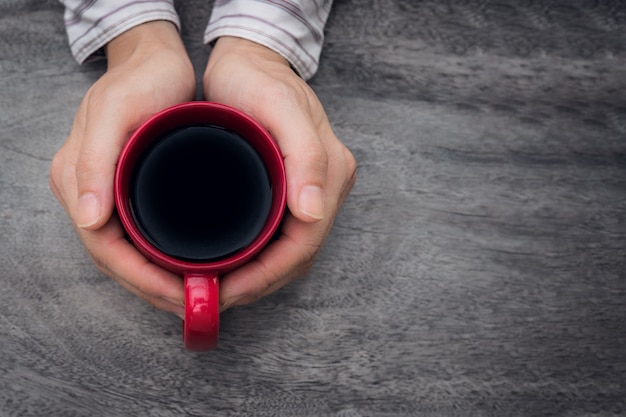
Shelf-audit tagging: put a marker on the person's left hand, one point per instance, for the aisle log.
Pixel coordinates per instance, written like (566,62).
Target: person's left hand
(320,169)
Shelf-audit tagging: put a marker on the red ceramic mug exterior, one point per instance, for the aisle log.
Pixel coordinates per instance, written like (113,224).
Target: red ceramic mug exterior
(201,280)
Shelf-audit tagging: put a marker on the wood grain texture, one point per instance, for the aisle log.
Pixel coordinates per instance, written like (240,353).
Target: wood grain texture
(477,269)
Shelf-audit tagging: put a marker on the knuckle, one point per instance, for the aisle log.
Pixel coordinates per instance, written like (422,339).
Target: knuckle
(61,175)
(101,264)
(349,162)
(306,266)
(351,167)
(345,165)
(307,259)
(56,170)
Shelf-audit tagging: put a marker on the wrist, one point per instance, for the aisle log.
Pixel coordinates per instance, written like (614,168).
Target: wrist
(143,40)
(230,45)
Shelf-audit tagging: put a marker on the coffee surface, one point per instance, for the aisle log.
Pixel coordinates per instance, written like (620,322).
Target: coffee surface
(200,194)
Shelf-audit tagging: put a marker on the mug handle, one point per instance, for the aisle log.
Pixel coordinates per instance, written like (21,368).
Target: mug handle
(202,314)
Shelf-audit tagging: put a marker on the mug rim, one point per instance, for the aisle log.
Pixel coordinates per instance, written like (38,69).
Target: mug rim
(237,121)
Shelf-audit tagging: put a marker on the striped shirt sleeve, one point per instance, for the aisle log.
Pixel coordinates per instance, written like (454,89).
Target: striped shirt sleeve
(91,24)
(292,28)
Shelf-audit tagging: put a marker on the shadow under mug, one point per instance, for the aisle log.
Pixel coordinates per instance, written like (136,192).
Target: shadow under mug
(200,189)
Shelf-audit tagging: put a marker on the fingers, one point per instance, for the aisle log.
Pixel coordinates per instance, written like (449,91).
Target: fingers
(117,258)
(284,260)
(293,253)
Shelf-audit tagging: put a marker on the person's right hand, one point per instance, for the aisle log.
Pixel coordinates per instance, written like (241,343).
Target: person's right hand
(148,70)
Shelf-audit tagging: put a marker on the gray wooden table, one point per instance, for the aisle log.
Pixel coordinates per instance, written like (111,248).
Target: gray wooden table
(477,269)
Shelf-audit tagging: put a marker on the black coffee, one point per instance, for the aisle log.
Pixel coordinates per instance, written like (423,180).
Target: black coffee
(200,193)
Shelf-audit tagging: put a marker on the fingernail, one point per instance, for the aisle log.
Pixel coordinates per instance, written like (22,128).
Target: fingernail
(174,301)
(89,210)
(227,304)
(311,202)
(233,302)
(177,307)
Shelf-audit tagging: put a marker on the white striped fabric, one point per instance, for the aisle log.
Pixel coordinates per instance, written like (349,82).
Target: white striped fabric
(91,24)
(293,28)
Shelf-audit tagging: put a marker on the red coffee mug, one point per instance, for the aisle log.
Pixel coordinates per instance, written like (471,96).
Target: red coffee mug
(148,190)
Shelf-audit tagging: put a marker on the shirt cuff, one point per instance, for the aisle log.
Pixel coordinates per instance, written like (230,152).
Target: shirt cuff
(91,26)
(295,31)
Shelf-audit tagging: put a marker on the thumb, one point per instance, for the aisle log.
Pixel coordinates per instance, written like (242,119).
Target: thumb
(95,199)
(306,163)
(95,170)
